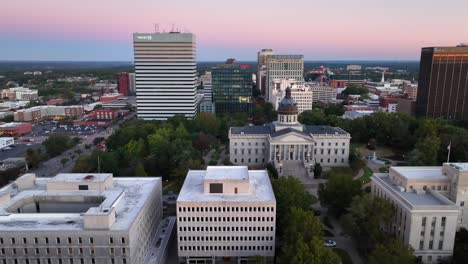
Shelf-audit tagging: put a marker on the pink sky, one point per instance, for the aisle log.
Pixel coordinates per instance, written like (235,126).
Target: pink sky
(340,29)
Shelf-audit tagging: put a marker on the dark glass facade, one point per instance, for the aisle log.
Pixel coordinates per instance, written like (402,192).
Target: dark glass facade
(232,88)
(443,83)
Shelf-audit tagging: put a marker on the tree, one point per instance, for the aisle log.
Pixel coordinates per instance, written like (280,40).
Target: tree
(425,153)
(84,164)
(391,252)
(303,240)
(64,161)
(56,144)
(140,170)
(339,192)
(207,123)
(460,253)
(272,171)
(33,157)
(317,170)
(290,192)
(355,89)
(367,215)
(312,117)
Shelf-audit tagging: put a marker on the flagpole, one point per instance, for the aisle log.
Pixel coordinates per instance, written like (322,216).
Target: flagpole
(449,148)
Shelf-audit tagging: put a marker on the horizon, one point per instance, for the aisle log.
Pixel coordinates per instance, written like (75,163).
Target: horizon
(361,30)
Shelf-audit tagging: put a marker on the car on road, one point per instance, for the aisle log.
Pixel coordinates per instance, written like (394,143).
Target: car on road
(329,243)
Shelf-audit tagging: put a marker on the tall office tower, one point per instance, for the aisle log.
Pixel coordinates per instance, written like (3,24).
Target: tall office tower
(226,212)
(232,87)
(261,70)
(123,83)
(283,67)
(443,83)
(165,73)
(131,83)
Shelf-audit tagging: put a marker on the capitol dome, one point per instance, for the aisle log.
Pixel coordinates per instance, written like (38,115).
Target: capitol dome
(287,106)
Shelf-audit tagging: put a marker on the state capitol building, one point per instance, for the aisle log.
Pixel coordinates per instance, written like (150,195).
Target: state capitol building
(287,141)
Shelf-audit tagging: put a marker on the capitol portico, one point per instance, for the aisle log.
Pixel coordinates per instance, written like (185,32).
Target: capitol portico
(288,141)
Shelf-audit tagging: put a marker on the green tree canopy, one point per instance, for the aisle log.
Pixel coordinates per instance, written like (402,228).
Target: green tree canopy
(339,192)
(391,252)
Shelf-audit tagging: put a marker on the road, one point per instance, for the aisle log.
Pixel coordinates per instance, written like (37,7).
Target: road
(54,166)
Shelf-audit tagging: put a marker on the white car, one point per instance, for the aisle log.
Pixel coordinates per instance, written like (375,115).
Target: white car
(329,243)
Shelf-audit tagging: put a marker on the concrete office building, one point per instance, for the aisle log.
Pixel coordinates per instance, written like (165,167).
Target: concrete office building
(283,67)
(78,218)
(322,93)
(443,83)
(261,78)
(430,204)
(20,93)
(288,142)
(226,213)
(301,94)
(165,74)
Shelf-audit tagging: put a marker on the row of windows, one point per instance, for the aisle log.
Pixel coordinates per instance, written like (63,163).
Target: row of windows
(60,261)
(249,160)
(226,209)
(225,228)
(58,240)
(249,151)
(58,251)
(229,248)
(434,220)
(225,238)
(242,143)
(431,244)
(322,151)
(225,219)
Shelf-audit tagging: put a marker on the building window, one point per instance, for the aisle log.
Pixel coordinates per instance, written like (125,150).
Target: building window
(83,187)
(216,188)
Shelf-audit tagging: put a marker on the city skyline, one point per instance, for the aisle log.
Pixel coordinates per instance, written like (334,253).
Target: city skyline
(344,30)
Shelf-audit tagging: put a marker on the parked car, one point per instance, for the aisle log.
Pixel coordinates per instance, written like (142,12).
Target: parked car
(329,243)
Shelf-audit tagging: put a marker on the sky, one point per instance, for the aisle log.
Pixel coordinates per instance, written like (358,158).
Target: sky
(101,30)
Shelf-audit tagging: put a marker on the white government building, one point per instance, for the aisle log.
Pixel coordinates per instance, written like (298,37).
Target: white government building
(78,219)
(226,213)
(430,204)
(288,141)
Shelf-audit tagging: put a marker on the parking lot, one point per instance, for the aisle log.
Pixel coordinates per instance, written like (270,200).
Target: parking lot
(46,128)
(18,150)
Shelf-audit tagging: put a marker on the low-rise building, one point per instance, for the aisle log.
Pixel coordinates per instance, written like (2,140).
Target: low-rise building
(47,111)
(19,93)
(110,97)
(430,205)
(226,213)
(79,218)
(15,129)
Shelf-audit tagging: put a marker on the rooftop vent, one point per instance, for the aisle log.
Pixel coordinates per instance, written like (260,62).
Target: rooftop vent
(89,177)
(420,192)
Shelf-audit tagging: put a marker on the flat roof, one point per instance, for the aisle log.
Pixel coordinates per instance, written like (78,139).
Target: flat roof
(81,177)
(260,189)
(415,198)
(461,166)
(412,173)
(127,196)
(227,173)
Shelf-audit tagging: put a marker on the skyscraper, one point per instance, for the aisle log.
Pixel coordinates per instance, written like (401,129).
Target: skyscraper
(232,87)
(123,83)
(261,79)
(443,83)
(283,67)
(165,74)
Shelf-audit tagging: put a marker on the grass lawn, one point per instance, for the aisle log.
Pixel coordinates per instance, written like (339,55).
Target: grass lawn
(338,170)
(367,174)
(383,169)
(345,258)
